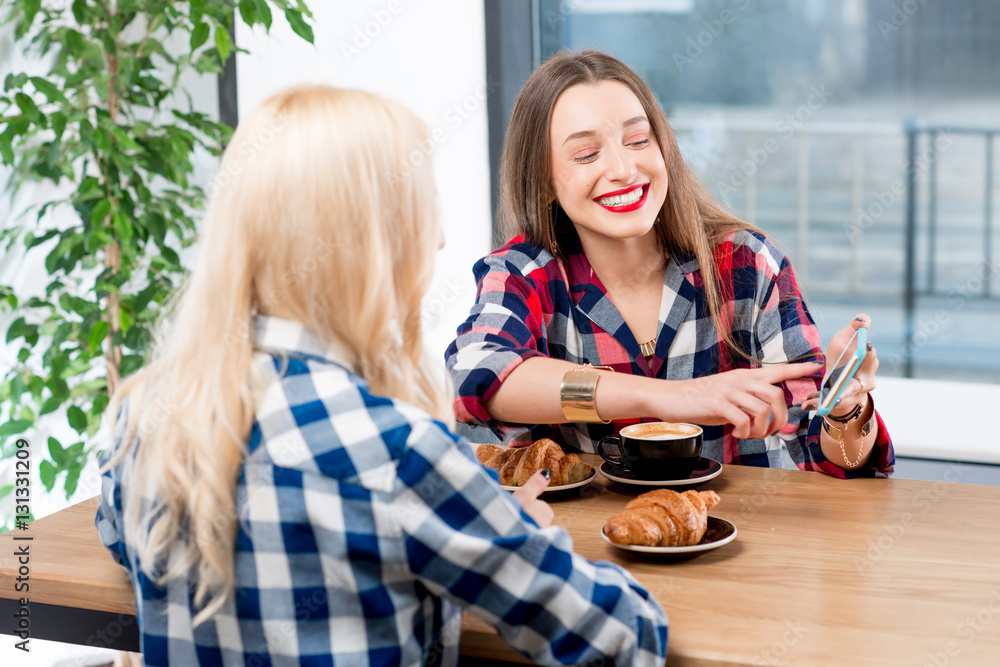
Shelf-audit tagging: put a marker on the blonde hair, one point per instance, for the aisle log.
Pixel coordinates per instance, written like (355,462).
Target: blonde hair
(319,215)
(690,220)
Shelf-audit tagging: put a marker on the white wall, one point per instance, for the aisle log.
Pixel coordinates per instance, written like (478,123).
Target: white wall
(430,56)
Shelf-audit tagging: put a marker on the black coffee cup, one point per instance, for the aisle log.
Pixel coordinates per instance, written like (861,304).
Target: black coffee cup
(654,450)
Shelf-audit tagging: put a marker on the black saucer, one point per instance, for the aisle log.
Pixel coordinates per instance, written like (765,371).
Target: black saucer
(719,532)
(705,470)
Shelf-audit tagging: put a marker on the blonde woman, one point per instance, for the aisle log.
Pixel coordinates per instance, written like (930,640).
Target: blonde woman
(616,257)
(282,488)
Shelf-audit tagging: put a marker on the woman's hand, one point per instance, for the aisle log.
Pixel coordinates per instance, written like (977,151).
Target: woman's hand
(527,495)
(856,391)
(746,398)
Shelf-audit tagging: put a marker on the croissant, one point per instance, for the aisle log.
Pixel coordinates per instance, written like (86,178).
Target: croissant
(663,518)
(515,465)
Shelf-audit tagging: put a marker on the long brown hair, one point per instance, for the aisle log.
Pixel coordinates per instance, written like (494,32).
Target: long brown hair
(690,220)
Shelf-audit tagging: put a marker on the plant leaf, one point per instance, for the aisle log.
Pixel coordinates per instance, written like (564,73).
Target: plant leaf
(222,43)
(51,404)
(14,81)
(57,452)
(124,320)
(264,12)
(38,240)
(31,8)
(16,329)
(248,12)
(80,11)
(49,89)
(100,211)
(47,473)
(299,25)
(124,227)
(97,335)
(72,479)
(199,35)
(27,106)
(77,418)
(14,427)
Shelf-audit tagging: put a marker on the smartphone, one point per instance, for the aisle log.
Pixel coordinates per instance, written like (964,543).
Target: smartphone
(847,365)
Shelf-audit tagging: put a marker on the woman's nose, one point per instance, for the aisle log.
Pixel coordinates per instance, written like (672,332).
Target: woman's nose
(621,166)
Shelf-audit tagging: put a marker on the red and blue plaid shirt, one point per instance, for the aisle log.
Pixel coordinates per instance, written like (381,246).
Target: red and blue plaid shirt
(531,304)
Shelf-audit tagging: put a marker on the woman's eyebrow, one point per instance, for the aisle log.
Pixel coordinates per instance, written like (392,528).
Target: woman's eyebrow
(590,133)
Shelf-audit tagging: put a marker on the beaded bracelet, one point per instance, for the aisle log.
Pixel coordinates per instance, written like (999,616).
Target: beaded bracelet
(853,414)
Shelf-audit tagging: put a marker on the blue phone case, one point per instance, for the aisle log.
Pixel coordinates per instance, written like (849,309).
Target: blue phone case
(859,355)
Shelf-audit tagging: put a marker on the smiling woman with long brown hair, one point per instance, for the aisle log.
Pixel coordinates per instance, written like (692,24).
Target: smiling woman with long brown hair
(616,257)
(282,488)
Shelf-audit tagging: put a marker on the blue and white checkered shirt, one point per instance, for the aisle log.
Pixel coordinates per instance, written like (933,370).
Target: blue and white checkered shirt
(365,528)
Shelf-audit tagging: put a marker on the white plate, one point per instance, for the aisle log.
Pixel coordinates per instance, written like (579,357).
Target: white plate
(563,487)
(550,489)
(707,469)
(719,533)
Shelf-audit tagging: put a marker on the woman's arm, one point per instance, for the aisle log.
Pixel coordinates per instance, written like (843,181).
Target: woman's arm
(746,398)
(504,373)
(468,541)
(105,521)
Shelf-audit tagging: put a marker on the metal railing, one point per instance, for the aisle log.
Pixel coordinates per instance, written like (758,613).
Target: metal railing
(857,133)
(911,290)
(913,188)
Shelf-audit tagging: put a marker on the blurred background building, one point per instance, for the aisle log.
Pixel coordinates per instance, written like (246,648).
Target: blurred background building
(858,133)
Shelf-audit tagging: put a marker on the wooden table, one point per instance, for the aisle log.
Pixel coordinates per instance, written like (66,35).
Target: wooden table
(823,572)
(77,594)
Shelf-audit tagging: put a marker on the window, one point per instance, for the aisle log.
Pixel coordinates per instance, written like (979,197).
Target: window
(858,133)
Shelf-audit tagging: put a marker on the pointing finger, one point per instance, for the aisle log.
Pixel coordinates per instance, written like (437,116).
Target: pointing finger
(776,374)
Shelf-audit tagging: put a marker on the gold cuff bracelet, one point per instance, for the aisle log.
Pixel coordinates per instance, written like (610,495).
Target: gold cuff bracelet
(577,394)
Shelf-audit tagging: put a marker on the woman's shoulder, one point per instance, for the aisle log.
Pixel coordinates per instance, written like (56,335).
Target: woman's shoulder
(334,410)
(411,433)
(519,256)
(743,248)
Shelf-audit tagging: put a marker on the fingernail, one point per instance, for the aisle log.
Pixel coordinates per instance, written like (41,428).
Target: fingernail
(859,319)
(546,473)
(869,346)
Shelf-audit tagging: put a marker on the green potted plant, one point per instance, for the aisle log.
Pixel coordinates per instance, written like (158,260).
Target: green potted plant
(105,128)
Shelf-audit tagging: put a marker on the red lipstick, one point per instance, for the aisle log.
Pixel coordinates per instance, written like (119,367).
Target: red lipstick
(628,208)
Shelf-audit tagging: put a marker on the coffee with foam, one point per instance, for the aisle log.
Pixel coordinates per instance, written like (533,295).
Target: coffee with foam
(660,431)
(654,450)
